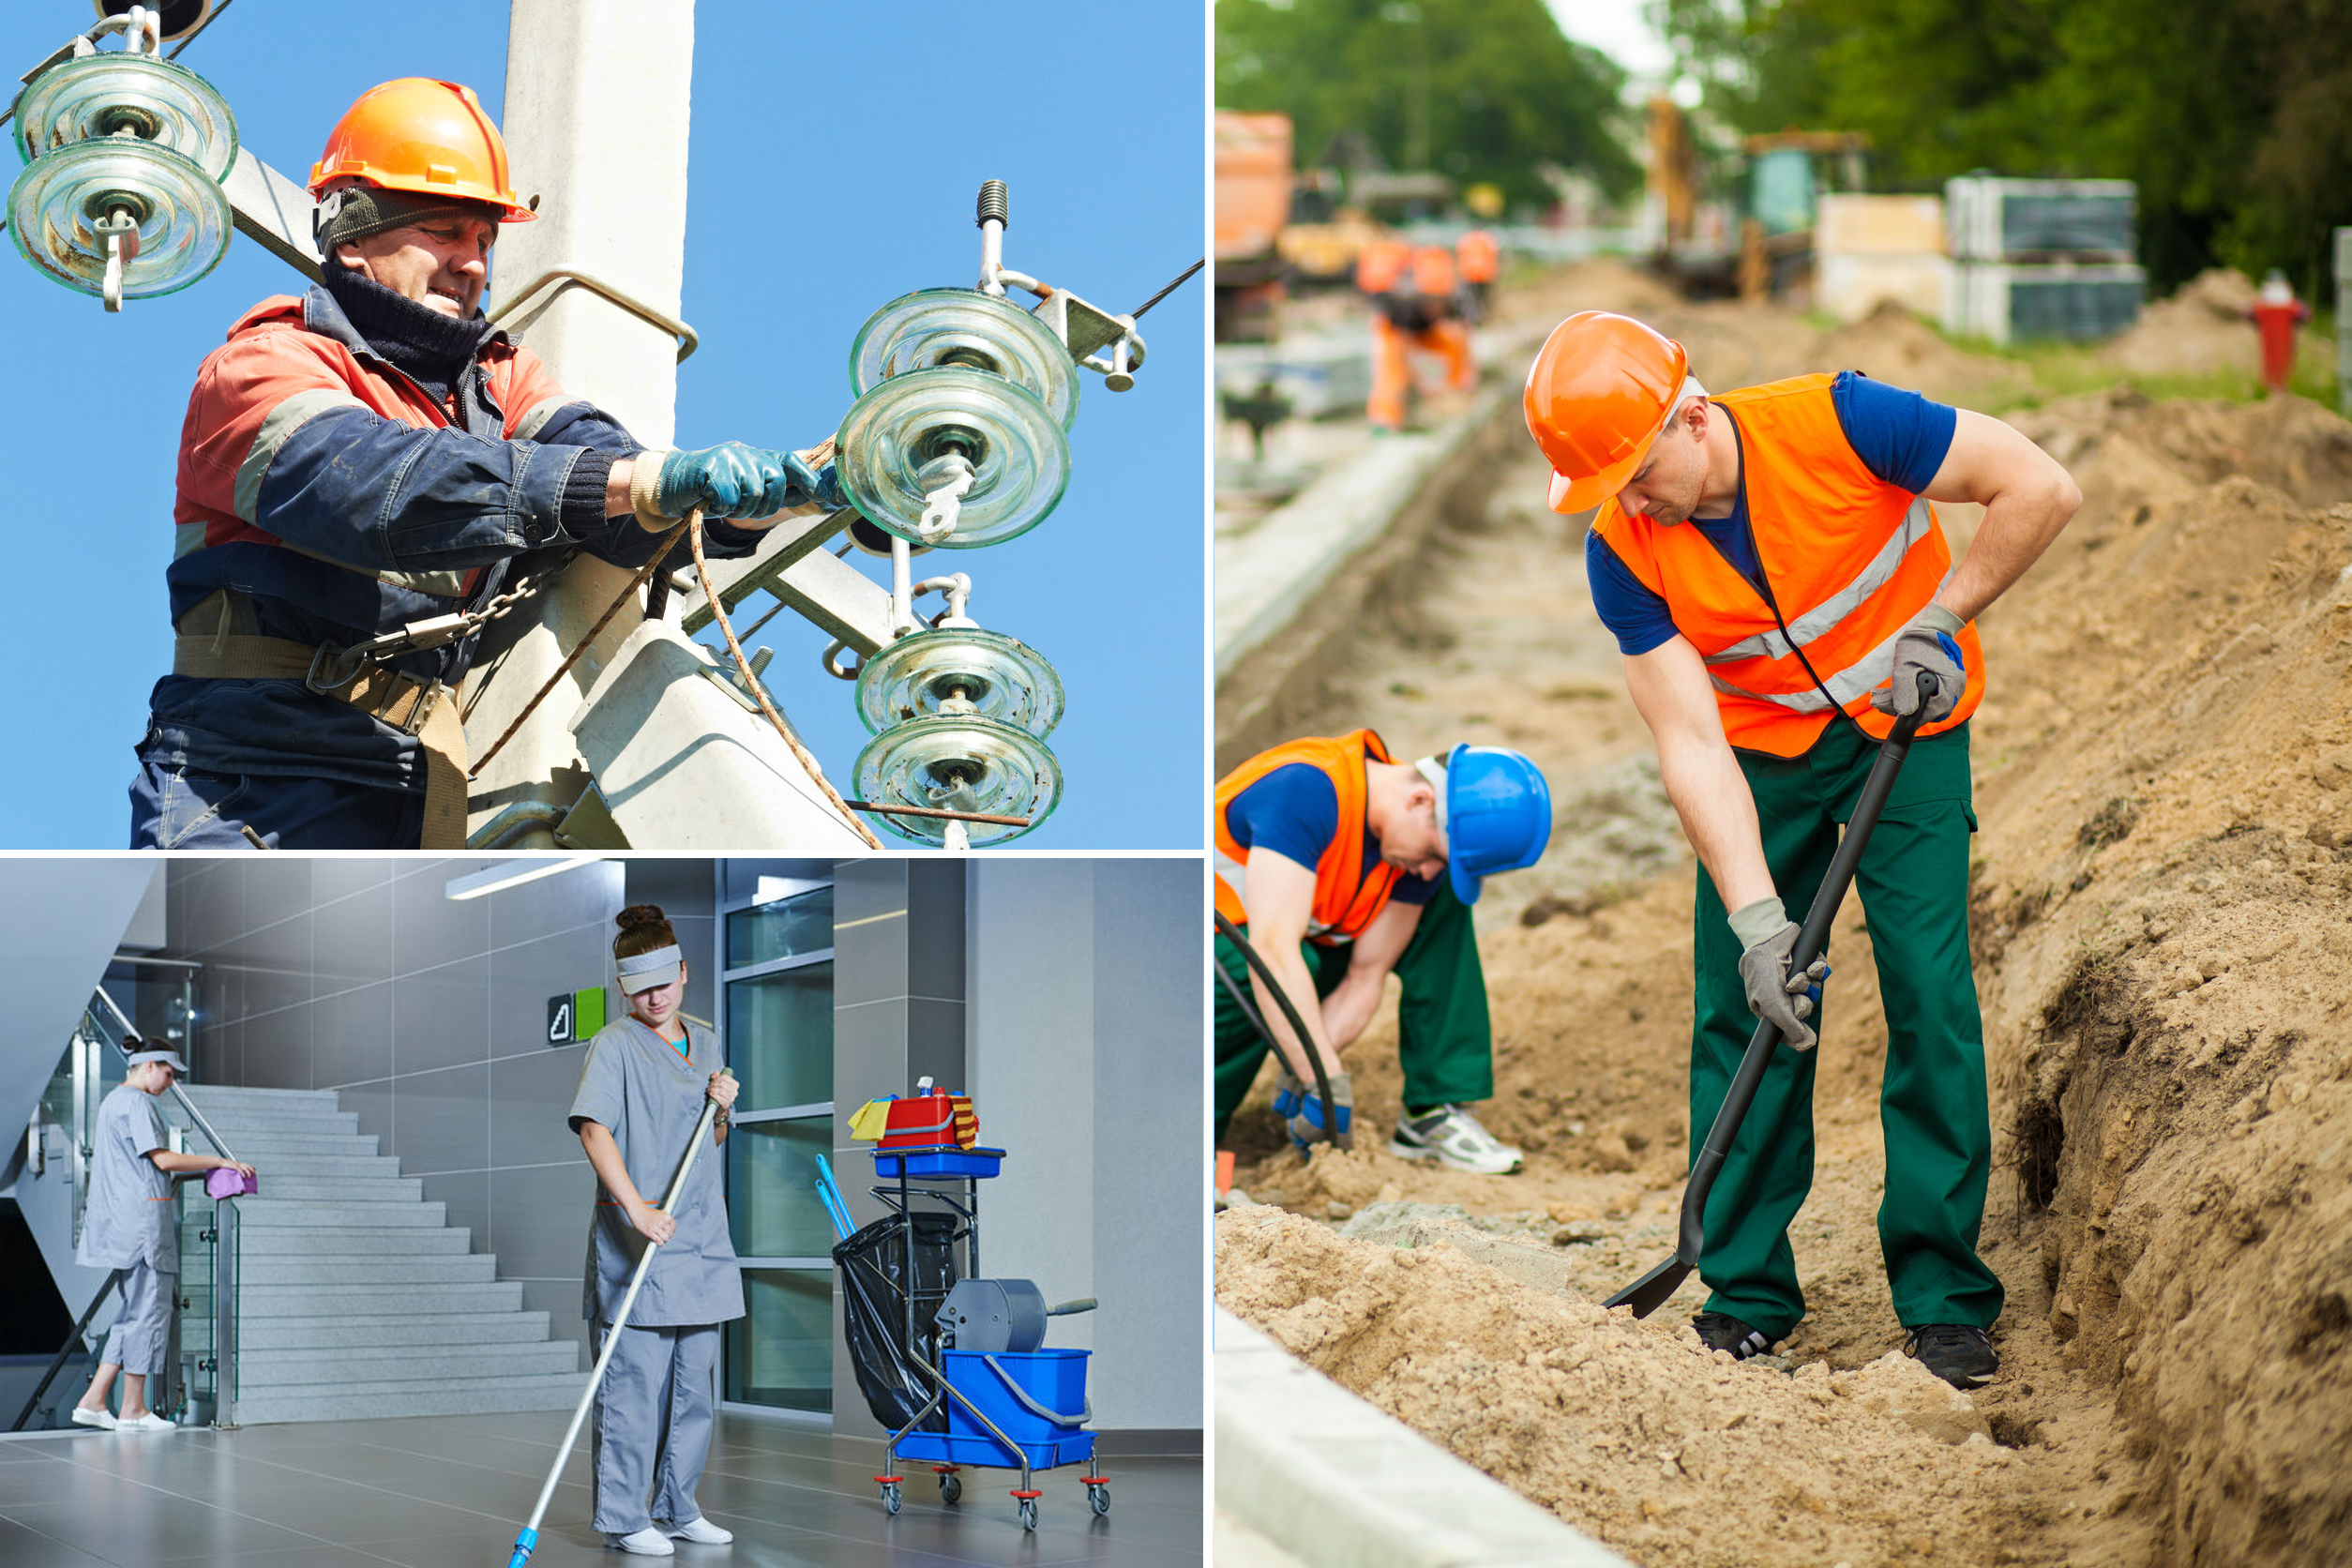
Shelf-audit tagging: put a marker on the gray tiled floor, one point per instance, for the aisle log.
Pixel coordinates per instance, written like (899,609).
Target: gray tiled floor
(451,1491)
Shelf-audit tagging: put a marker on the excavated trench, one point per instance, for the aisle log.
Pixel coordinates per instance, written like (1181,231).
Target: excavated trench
(2161,922)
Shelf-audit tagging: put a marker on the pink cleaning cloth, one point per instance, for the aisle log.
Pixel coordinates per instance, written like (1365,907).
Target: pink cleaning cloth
(231,1183)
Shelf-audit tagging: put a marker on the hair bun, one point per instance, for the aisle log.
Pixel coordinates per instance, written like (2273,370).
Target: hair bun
(637,915)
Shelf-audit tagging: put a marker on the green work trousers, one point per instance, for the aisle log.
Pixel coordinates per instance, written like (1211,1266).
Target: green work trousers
(1445,1043)
(1913,880)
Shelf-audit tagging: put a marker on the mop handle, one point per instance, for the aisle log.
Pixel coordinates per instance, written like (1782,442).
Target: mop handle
(612,1337)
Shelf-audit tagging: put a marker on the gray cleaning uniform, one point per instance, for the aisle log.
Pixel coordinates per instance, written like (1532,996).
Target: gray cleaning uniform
(129,1224)
(653,1415)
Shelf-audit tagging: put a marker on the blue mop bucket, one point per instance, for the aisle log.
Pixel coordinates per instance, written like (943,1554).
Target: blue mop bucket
(1054,1379)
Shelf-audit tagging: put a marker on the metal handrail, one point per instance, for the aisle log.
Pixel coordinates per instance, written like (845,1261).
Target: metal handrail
(179,1094)
(689,339)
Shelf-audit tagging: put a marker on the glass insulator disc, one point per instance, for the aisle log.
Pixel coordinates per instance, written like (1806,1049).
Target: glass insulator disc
(1003,679)
(56,203)
(909,423)
(130,97)
(954,763)
(968,328)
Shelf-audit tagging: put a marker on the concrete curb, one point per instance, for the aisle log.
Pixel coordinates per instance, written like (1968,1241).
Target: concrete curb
(1325,1476)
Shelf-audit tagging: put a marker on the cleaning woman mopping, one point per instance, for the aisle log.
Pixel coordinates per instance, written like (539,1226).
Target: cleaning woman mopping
(640,1101)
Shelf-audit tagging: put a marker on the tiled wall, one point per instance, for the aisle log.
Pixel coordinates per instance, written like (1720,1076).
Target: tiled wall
(428,1018)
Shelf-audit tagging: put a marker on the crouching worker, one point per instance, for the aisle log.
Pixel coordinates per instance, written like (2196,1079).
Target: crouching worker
(640,1099)
(1342,866)
(129,1226)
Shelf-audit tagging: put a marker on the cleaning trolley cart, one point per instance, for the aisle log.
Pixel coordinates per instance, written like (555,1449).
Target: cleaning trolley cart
(954,1363)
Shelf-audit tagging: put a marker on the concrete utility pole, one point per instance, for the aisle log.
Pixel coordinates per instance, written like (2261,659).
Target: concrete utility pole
(597,98)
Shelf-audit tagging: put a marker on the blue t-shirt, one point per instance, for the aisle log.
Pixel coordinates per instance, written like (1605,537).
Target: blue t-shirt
(1900,436)
(1294,811)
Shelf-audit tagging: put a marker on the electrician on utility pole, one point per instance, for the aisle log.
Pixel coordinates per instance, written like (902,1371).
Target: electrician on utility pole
(360,472)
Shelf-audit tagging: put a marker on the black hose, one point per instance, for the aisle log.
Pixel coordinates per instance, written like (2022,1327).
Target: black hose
(1298,1029)
(1240,1000)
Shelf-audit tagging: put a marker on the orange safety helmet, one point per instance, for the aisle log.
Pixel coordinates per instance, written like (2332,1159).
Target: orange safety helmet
(426,136)
(1380,263)
(1600,392)
(1433,271)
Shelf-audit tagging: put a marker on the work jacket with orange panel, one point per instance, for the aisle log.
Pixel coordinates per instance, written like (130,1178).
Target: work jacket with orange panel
(1349,894)
(1848,559)
(336,498)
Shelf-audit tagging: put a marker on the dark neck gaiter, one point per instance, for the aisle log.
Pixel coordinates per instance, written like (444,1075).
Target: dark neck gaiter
(433,348)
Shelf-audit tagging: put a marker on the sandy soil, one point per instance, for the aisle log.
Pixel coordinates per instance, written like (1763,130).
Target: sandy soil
(2164,943)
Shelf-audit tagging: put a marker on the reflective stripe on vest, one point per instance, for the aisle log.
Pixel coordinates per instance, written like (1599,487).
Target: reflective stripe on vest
(1855,557)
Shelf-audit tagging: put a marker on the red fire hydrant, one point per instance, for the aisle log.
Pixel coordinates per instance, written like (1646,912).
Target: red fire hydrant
(2276,313)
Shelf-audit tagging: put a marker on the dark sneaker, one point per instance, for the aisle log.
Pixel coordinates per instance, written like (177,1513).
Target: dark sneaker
(1720,1330)
(1957,1353)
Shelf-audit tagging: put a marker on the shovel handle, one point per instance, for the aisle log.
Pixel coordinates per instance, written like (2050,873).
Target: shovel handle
(1812,937)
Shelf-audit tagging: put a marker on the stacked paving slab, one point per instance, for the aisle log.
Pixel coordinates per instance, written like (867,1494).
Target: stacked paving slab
(357,1299)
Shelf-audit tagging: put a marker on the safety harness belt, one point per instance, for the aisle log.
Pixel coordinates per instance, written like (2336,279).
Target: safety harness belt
(426,709)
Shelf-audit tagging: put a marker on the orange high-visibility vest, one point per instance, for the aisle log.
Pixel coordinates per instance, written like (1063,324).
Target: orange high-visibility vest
(1850,558)
(1380,264)
(1347,896)
(1433,271)
(1481,258)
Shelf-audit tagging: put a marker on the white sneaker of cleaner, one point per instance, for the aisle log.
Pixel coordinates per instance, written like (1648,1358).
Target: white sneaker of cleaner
(1452,1137)
(701,1532)
(648,1542)
(146,1422)
(102,1420)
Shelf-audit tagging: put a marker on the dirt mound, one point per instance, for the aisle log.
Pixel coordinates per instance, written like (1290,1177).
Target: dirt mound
(2165,936)
(2202,329)
(1632,1431)
(1892,345)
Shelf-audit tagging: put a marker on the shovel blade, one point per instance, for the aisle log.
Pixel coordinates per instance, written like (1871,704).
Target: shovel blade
(1649,1293)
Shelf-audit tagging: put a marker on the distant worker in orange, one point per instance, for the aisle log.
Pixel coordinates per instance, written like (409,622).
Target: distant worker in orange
(1481,262)
(2276,313)
(1413,304)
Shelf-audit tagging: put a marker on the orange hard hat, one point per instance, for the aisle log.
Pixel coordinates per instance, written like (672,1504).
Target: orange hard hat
(426,136)
(1433,270)
(1600,392)
(1379,263)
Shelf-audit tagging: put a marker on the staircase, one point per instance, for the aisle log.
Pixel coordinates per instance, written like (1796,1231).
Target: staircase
(354,1297)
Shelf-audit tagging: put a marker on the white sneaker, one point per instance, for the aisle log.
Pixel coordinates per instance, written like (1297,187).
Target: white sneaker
(648,1542)
(1452,1137)
(699,1530)
(149,1422)
(102,1420)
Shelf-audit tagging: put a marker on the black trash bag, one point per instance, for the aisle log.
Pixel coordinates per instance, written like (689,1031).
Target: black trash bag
(874,1287)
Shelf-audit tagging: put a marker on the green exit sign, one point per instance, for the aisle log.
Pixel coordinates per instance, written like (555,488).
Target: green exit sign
(575,1017)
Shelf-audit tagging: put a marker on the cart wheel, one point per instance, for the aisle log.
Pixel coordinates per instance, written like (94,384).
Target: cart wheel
(951,1488)
(1098,1497)
(1028,1514)
(890,1497)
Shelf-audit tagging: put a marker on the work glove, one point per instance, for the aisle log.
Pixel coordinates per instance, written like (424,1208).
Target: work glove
(732,480)
(1931,643)
(814,485)
(1779,998)
(1308,1124)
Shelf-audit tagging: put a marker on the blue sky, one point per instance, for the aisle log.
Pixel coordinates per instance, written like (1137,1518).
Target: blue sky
(847,144)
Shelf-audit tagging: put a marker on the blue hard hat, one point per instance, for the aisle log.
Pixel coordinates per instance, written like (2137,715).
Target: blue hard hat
(1497,815)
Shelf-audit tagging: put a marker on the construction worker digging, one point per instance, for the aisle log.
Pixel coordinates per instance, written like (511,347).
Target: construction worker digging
(1341,867)
(369,475)
(1772,565)
(1416,306)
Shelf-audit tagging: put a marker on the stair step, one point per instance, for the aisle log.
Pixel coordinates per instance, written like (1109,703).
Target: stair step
(295,1213)
(294,1268)
(312,1301)
(352,1241)
(347,1367)
(354,1189)
(353,1402)
(269,1337)
(309,1123)
(207,1095)
(300,1168)
(256,1146)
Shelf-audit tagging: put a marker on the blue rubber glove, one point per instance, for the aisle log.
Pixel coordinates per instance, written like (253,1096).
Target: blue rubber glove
(1930,642)
(732,480)
(819,486)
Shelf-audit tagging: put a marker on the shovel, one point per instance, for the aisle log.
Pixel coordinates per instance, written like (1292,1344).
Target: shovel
(1649,1293)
